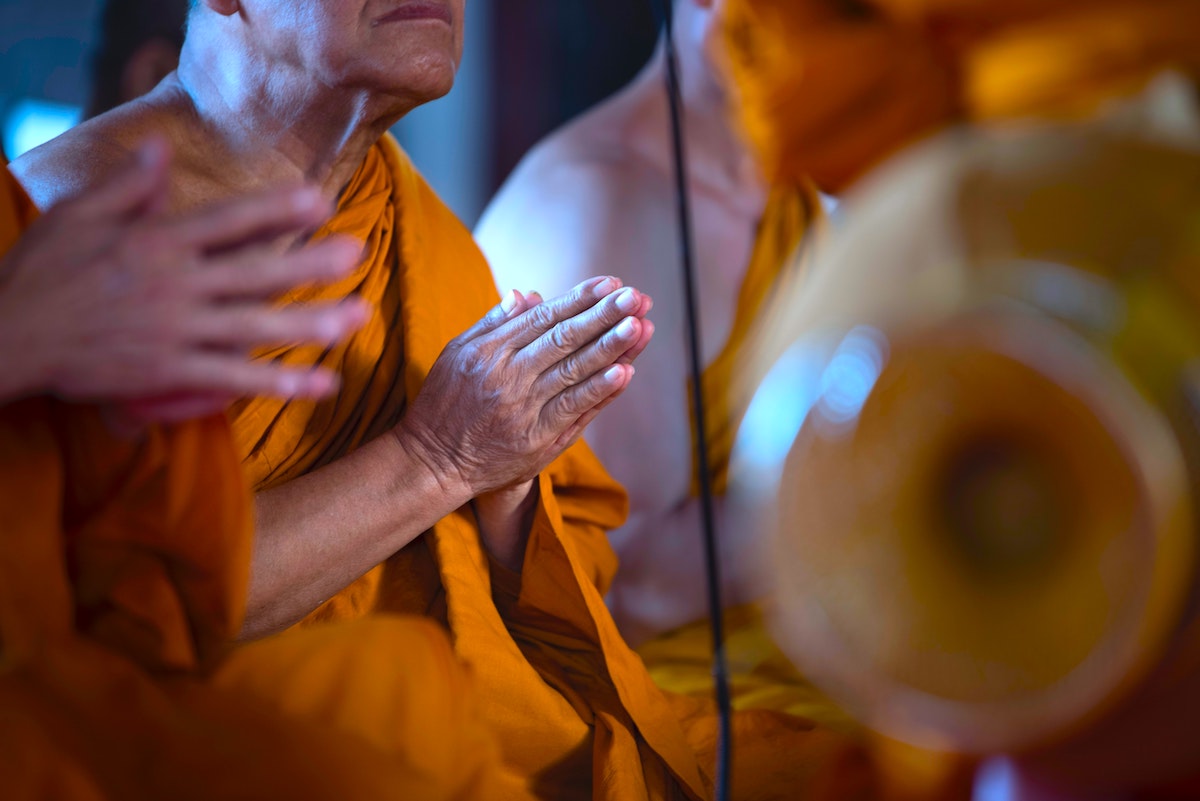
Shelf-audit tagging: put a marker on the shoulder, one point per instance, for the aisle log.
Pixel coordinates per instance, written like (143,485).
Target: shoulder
(67,166)
(581,170)
(576,205)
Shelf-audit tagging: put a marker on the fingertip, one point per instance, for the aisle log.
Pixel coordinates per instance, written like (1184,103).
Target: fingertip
(510,301)
(306,200)
(152,152)
(319,383)
(629,300)
(350,251)
(359,310)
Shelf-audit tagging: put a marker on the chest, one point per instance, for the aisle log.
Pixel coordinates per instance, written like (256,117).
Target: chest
(724,242)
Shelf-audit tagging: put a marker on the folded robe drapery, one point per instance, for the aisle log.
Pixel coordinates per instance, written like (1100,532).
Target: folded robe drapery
(572,705)
(123,568)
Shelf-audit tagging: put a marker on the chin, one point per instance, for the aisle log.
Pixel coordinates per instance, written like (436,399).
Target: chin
(423,74)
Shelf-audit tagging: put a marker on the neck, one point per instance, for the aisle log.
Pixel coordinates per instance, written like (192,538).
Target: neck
(718,159)
(258,125)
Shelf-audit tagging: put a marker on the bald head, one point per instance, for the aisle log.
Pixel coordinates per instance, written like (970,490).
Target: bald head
(138,44)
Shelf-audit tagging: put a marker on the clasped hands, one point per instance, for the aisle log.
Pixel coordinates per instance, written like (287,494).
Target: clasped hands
(509,395)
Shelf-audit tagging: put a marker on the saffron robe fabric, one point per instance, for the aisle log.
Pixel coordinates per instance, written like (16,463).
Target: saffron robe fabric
(827,90)
(123,568)
(571,704)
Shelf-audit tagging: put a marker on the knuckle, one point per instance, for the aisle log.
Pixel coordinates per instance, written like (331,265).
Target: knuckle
(470,356)
(560,336)
(542,316)
(571,371)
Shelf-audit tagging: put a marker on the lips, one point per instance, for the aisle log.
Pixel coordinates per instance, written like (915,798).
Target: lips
(420,10)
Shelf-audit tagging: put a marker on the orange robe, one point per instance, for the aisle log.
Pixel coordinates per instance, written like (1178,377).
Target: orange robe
(573,706)
(828,90)
(123,567)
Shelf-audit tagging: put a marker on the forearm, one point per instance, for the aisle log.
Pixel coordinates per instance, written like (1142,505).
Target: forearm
(320,532)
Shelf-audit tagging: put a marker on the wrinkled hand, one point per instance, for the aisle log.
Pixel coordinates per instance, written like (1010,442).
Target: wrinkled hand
(508,396)
(109,298)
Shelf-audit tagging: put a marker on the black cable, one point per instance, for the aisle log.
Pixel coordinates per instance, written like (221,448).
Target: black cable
(720,668)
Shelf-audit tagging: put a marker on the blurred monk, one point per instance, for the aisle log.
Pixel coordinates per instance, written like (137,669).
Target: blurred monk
(599,195)
(125,555)
(829,90)
(441,480)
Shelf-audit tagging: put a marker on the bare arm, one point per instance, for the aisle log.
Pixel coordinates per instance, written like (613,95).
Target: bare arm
(320,532)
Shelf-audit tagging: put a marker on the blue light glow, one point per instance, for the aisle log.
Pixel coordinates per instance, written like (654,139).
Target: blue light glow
(34,122)
(851,375)
(804,379)
(780,406)
(996,781)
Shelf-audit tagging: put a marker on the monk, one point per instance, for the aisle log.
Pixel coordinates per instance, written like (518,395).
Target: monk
(441,480)
(137,46)
(125,551)
(601,193)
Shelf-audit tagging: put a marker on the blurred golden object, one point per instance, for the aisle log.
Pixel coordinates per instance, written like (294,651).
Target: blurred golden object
(983,450)
(828,88)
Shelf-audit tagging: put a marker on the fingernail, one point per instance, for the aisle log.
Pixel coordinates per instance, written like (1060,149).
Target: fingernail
(625,329)
(605,287)
(613,374)
(509,303)
(627,300)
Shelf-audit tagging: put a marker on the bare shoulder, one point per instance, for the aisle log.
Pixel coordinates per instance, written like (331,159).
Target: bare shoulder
(577,205)
(79,159)
(590,165)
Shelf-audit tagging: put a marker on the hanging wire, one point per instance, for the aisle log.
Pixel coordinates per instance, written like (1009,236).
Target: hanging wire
(720,668)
